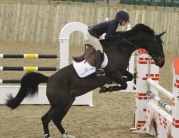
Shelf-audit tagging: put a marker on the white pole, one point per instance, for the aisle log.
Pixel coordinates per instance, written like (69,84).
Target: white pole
(159,88)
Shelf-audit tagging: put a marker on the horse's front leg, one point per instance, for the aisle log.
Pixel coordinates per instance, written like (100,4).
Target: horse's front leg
(127,76)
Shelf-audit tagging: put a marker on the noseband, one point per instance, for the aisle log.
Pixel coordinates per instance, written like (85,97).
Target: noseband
(155,43)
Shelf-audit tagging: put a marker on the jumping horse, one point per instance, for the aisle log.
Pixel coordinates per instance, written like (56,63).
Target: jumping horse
(65,85)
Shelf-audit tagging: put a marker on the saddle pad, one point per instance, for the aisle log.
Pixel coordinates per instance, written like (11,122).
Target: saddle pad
(84,69)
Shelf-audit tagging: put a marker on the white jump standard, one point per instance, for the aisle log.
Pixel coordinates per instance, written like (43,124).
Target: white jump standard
(64,38)
(149,117)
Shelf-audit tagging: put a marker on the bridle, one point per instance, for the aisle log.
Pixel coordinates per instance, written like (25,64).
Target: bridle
(154,56)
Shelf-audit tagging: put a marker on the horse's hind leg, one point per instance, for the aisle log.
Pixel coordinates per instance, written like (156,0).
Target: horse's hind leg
(58,119)
(46,119)
(56,114)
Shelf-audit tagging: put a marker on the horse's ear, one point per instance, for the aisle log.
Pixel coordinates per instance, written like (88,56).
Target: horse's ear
(159,35)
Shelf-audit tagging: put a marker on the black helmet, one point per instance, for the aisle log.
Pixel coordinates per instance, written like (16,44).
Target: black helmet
(122,15)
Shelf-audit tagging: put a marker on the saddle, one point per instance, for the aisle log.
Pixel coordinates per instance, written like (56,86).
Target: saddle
(89,55)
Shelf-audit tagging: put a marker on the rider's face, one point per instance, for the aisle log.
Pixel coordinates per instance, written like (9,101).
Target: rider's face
(122,23)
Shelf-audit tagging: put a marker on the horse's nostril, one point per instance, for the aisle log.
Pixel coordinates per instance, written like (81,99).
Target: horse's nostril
(162,64)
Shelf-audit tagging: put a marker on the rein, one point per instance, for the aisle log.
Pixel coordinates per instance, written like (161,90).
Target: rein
(129,42)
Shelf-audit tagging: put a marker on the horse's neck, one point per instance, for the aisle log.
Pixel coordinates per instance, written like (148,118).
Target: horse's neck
(133,43)
(119,50)
(128,47)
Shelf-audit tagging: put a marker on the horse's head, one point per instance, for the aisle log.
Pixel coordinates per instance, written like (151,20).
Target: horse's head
(140,36)
(155,50)
(144,37)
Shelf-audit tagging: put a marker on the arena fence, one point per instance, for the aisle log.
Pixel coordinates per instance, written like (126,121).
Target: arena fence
(40,22)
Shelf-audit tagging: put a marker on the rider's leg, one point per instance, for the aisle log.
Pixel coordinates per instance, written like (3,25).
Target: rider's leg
(98,61)
(99,54)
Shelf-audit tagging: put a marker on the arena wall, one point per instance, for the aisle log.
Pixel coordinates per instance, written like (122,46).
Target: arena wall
(41,22)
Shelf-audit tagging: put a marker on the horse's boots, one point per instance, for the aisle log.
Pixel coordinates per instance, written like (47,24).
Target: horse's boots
(110,89)
(99,59)
(114,88)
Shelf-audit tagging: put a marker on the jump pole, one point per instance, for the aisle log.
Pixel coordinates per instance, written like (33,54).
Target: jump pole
(28,68)
(159,88)
(160,101)
(5,90)
(30,56)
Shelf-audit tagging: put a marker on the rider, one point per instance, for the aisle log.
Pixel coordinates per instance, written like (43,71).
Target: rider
(109,27)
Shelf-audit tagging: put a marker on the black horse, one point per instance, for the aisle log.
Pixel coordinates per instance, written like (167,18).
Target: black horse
(65,85)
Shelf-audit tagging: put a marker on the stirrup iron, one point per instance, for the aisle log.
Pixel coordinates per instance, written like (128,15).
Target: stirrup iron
(100,73)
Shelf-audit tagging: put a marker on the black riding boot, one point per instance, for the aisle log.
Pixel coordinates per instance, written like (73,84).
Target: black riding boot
(99,60)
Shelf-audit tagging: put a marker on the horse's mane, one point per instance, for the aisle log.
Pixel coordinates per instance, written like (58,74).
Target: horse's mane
(136,29)
(141,28)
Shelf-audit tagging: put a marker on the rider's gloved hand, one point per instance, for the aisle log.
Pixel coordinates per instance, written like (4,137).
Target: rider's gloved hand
(117,35)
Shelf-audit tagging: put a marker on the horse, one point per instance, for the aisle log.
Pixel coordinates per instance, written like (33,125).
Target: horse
(65,85)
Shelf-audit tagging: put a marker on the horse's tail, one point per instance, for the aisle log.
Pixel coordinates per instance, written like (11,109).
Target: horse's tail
(29,87)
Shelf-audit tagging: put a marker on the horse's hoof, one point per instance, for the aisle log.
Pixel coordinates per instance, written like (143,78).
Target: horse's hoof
(66,135)
(110,88)
(46,136)
(102,90)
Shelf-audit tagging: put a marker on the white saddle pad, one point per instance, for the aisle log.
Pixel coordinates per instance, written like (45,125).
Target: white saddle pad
(84,69)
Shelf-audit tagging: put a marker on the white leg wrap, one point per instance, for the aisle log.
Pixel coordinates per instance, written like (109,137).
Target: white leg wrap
(66,135)
(46,136)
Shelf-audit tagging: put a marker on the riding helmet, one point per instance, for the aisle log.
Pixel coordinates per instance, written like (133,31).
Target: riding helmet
(122,15)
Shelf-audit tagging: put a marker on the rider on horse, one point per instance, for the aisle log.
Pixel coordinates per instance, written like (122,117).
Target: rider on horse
(109,27)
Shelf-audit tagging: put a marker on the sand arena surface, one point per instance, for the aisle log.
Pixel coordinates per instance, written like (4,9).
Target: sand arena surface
(111,116)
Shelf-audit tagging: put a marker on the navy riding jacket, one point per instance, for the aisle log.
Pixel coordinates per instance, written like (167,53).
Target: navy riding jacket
(108,27)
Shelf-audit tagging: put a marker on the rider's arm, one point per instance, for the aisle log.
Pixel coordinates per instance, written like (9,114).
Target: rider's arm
(111,30)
